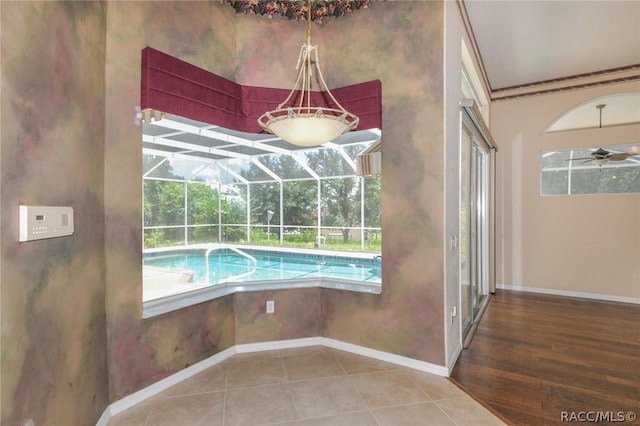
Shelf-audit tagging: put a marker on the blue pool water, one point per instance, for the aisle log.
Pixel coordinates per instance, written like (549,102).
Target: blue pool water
(227,265)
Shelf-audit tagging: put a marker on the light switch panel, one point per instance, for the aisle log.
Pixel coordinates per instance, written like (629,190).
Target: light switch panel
(40,222)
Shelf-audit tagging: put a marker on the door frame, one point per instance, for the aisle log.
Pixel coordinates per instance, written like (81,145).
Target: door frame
(481,137)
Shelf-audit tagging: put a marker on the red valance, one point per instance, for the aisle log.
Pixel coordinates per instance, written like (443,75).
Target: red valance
(177,87)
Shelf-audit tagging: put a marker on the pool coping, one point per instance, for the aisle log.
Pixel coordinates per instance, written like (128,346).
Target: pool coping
(300,250)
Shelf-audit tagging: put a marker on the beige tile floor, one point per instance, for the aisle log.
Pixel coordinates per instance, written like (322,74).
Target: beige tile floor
(309,386)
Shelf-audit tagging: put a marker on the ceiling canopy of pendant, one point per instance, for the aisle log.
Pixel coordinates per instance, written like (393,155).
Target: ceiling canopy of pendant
(292,9)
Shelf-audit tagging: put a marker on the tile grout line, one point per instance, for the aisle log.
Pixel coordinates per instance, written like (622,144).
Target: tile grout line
(153,406)
(224,400)
(349,378)
(435,402)
(345,374)
(295,421)
(289,387)
(445,413)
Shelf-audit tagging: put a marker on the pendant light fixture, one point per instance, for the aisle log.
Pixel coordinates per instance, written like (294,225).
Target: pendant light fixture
(296,120)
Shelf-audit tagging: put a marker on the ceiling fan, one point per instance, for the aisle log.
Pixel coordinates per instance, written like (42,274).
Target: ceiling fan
(602,156)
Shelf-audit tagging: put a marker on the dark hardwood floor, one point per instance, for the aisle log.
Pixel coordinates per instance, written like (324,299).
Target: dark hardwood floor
(535,357)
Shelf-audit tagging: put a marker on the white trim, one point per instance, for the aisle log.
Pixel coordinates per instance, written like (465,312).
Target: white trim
(604,99)
(161,385)
(105,417)
(386,356)
(568,293)
(173,302)
(451,362)
(278,344)
(347,347)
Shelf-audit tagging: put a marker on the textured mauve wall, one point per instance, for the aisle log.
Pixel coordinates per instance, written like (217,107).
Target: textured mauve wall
(401,44)
(68,137)
(297,315)
(53,362)
(143,351)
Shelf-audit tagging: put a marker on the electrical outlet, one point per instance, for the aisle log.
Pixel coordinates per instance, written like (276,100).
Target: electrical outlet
(454,313)
(271,306)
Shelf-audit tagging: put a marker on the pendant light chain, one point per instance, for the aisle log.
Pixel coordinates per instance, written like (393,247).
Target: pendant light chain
(301,123)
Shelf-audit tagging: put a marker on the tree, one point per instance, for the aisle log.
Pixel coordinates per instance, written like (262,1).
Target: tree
(202,205)
(372,202)
(265,197)
(300,200)
(341,195)
(300,196)
(202,209)
(171,203)
(233,207)
(153,188)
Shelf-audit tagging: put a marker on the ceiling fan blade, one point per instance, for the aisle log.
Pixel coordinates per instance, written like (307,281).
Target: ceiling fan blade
(602,154)
(620,156)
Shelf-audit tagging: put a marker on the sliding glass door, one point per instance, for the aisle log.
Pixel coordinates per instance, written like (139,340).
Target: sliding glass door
(474,225)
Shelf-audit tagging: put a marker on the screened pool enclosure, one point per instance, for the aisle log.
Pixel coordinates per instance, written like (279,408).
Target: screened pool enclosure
(206,184)
(578,172)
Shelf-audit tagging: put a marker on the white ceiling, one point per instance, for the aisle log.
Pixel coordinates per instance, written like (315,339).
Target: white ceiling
(523,42)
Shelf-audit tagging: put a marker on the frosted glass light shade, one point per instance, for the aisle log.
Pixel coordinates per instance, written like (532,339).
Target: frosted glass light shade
(308,130)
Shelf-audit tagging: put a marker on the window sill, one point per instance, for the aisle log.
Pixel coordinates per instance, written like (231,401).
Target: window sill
(162,305)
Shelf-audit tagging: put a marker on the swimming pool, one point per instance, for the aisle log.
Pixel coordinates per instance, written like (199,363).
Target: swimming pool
(217,265)
(177,277)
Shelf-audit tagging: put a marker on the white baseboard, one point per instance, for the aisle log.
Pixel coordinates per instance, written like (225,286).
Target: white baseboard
(104,418)
(161,385)
(278,344)
(386,356)
(346,347)
(579,294)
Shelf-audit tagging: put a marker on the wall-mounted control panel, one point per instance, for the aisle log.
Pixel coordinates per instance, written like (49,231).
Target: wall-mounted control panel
(40,222)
